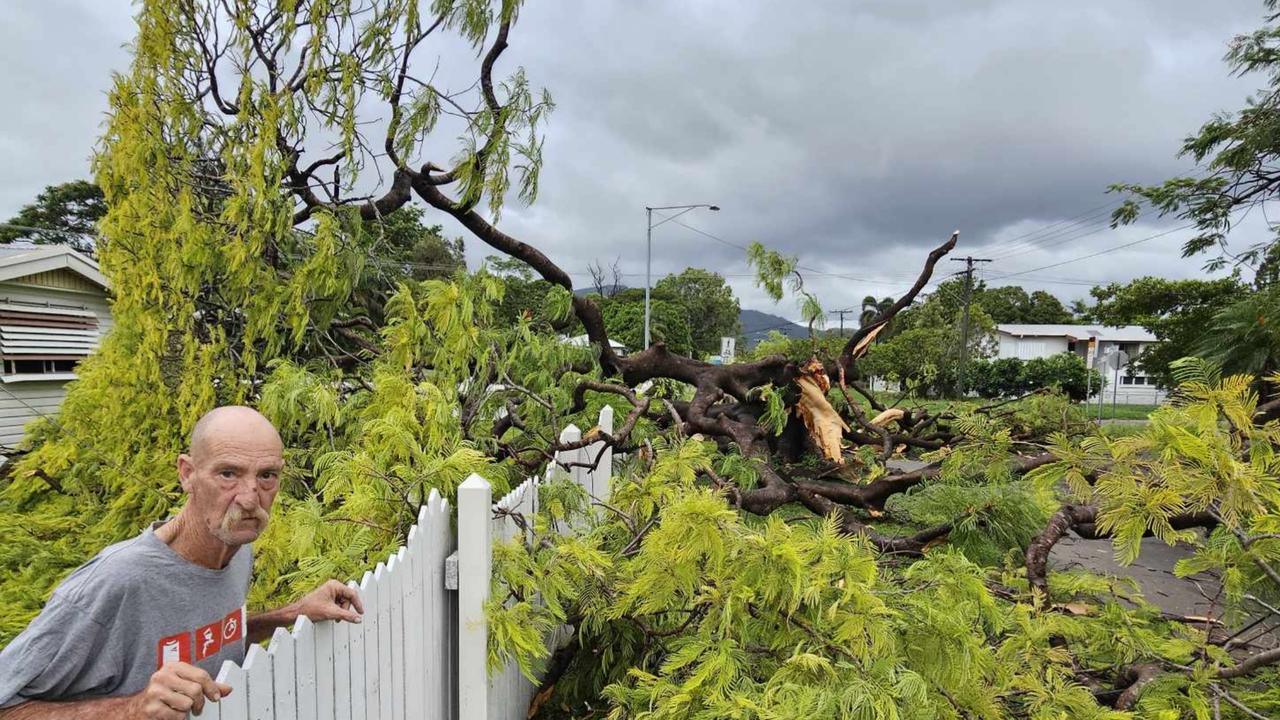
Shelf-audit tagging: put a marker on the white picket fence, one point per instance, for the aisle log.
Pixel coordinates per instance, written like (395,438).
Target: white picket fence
(420,652)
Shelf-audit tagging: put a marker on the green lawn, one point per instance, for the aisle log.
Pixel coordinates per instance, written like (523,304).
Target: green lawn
(1122,412)
(1118,412)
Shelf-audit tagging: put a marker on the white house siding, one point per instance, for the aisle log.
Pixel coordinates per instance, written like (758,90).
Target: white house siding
(18,291)
(23,402)
(1029,348)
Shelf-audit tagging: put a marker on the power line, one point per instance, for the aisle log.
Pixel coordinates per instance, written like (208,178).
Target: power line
(1031,239)
(1102,252)
(806,268)
(1054,240)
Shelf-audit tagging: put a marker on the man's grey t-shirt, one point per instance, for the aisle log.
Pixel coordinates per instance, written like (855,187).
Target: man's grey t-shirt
(116,619)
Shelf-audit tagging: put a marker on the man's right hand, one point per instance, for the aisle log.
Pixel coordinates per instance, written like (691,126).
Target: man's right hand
(176,689)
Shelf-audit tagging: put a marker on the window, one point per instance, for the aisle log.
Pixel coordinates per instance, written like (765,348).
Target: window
(1140,380)
(40,340)
(1126,380)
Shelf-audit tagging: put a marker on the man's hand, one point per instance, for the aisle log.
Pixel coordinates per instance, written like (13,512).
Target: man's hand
(174,690)
(331,601)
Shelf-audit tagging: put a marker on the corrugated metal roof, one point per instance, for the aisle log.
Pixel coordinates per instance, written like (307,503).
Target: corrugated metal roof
(1124,333)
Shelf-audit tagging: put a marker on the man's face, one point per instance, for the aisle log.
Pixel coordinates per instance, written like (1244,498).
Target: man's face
(232,480)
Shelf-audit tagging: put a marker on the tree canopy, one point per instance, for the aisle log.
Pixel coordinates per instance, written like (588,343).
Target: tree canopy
(711,305)
(65,214)
(1178,312)
(1012,304)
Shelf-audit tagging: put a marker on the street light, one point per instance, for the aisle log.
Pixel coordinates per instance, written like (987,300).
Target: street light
(648,250)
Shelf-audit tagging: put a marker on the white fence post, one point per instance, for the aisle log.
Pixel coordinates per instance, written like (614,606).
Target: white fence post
(602,475)
(475,508)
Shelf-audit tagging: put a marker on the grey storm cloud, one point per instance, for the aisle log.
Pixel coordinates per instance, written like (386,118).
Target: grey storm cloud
(853,134)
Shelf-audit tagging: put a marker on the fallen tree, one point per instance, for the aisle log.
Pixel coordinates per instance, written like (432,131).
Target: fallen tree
(758,557)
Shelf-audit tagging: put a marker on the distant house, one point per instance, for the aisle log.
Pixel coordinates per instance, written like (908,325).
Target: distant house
(53,310)
(584,341)
(1035,341)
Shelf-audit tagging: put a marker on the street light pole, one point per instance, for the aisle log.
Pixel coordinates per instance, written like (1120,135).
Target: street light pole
(648,266)
(648,251)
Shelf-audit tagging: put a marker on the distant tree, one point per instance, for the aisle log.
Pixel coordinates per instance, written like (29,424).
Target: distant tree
(607,281)
(1245,336)
(1044,308)
(1177,312)
(402,243)
(1006,304)
(65,214)
(1237,161)
(872,309)
(524,295)
(710,303)
(669,320)
(1012,304)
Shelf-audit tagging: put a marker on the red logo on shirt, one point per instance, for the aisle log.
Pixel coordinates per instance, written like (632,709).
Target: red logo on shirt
(175,648)
(208,640)
(233,626)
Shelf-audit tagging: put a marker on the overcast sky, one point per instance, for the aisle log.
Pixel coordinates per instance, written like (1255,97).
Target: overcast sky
(855,134)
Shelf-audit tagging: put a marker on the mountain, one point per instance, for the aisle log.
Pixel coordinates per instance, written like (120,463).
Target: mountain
(757,325)
(609,290)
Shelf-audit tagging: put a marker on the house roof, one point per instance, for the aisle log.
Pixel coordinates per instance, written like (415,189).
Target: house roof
(1124,333)
(584,341)
(21,261)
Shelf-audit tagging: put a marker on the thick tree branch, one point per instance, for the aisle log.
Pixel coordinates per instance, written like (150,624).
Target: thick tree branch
(846,356)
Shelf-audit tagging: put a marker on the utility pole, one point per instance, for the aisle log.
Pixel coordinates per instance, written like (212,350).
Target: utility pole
(842,313)
(964,338)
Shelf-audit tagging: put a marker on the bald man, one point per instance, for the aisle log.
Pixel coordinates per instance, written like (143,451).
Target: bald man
(138,631)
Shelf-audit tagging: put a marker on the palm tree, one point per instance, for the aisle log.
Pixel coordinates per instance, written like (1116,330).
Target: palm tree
(872,309)
(1244,337)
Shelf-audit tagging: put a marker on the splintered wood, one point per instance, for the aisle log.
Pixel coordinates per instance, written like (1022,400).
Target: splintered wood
(826,427)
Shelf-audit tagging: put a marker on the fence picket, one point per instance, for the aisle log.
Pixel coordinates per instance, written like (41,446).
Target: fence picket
(284,666)
(396,572)
(356,667)
(259,684)
(438,611)
(236,705)
(324,670)
(414,625)
(369,628)
(380,578)
(342,669)
(304,638)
